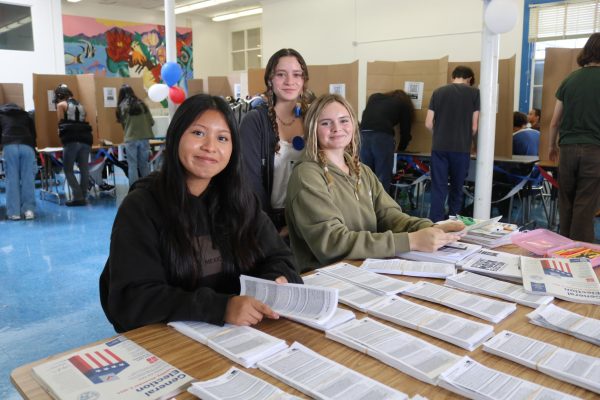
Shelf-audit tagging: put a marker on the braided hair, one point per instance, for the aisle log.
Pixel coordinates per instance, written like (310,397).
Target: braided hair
(270,94)
(313,150)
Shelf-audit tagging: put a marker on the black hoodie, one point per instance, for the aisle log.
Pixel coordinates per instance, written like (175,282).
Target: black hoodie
(16,126)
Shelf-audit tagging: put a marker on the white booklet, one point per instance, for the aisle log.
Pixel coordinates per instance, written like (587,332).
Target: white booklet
(351,295)
(565,321)
(321,378)
(117,369)
(479,306)
(340,316)
(302,303)
(396,266)
(459,331)
(568,279)
(450,253)
(241,344)
(476,381)
(563,364)
(236,384)
(368,280)
(495,288)
(496,264)
(415,357)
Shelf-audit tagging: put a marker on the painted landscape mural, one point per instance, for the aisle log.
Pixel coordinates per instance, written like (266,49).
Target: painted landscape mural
(126,49)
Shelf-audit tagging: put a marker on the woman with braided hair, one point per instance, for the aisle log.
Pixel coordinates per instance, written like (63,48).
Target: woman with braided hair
(336,208)
(272,133)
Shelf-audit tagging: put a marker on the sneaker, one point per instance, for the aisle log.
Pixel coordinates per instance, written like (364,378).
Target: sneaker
(75,203)
(29,214)
(14,217)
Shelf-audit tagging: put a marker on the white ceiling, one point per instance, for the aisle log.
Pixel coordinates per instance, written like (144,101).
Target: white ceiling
(209,12)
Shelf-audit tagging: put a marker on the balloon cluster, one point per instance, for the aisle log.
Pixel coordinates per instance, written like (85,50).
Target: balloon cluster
(170,74)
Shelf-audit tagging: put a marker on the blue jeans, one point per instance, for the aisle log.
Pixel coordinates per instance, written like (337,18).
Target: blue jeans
(80,153)
(377,152)
(138,153)
(20,168)
(455,166)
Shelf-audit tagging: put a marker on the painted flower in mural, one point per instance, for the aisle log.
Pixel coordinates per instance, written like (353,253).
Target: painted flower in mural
(151,39)
(118,44)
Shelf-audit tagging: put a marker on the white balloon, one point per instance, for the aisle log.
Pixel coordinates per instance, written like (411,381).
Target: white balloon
(158,92)
(501,15)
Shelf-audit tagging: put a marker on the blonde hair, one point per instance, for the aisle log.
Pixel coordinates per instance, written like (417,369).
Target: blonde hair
(312,148)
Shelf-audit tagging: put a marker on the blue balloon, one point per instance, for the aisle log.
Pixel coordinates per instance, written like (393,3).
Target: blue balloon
(170,73)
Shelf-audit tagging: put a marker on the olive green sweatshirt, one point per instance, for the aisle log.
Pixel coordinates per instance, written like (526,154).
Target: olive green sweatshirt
(329,224)
(137,127)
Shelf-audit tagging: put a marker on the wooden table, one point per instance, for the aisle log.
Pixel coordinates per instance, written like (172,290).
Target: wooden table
(202,363)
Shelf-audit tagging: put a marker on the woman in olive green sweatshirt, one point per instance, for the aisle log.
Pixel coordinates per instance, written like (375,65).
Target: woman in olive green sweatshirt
(336,208)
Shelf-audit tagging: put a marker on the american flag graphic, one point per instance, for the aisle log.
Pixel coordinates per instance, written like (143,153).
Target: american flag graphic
(557,267)
(99,366)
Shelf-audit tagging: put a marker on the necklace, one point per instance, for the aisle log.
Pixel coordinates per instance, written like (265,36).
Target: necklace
(285,123)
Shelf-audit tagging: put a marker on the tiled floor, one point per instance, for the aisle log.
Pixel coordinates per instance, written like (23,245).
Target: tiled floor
(49,270)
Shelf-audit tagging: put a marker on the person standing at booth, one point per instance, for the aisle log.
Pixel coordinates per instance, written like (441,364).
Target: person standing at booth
(575,144)
(137,123)
(272,134)
(76,136)
(17,131)
(383,112)
(452,117)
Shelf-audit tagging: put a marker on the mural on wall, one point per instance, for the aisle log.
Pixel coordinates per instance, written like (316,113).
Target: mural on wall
(126,49)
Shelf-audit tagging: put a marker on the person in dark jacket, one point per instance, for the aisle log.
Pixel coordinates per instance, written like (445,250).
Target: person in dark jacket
(17,131)
(383,112)
(76,137)
(183,235)
(272,134)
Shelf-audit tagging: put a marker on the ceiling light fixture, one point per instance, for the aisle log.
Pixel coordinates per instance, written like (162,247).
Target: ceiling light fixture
(245,13)
(199,5)
(73,1)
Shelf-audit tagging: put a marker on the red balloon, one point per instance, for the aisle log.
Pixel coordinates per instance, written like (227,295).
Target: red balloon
(176,94)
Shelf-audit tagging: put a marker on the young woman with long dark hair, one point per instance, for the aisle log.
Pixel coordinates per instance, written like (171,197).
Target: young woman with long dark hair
(183,236)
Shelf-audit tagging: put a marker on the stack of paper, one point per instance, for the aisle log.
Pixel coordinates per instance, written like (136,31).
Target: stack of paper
(406,353)
(561,320)
(236,384)
(566,365)
(473,380)
(349,294)
(322,378)
(365,279)
(451,253)
(495,264)
(339,317)
(570,280)
(241,344)
(481,307)
(489,233)
(313,305)
(408,268)
(448,327)
(493,287)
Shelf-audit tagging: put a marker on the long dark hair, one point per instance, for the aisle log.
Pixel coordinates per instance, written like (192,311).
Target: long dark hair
(590,52)
(270,94)
(128,102)
(232,207)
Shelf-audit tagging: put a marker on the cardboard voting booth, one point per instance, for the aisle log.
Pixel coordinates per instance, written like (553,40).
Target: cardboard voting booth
(46,119)
(558,65)
(323,79)
(195,86)
(12,93)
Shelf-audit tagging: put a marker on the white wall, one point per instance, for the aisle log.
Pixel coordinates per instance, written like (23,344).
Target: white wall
(341,31)
(48,54)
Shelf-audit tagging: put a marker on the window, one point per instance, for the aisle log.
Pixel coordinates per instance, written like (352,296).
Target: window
(246,49)
(566,24)
(15,28)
